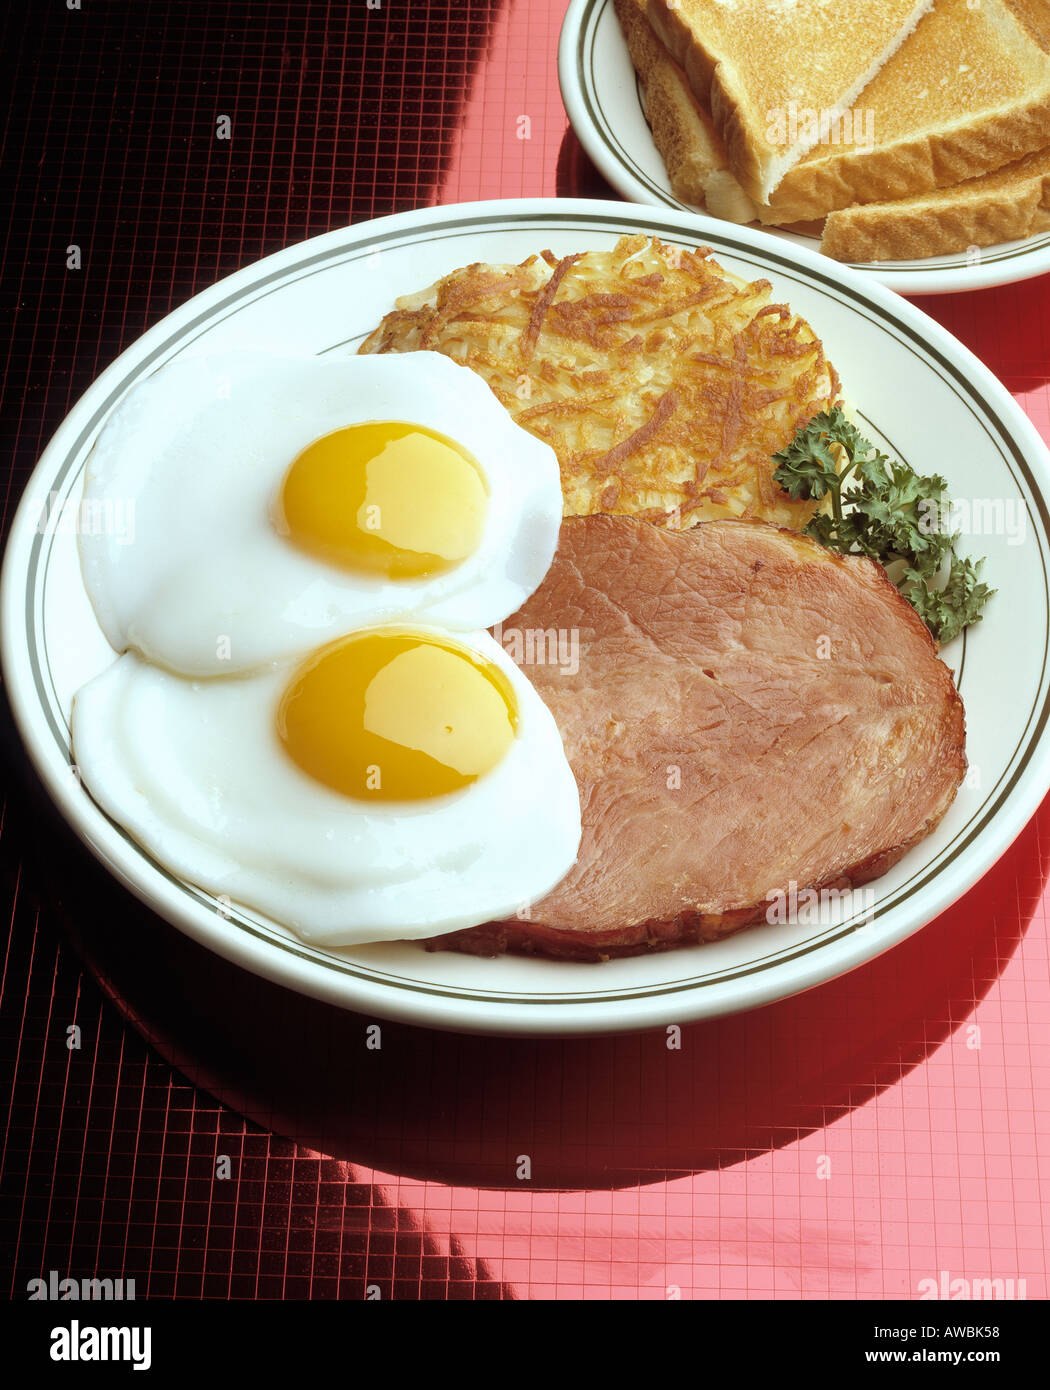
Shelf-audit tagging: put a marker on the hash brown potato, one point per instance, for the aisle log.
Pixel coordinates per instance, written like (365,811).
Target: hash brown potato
(663,382)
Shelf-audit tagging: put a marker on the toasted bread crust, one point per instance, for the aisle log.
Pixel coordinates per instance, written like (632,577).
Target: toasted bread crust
(715,87)
(682,131)
(929,162)
(1008,205)
(1035,15)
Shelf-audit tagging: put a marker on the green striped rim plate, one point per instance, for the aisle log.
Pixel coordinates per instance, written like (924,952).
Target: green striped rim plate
(919,391)
(605,107)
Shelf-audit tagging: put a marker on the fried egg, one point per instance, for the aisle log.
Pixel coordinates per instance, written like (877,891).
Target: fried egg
(399,781)
(279,502)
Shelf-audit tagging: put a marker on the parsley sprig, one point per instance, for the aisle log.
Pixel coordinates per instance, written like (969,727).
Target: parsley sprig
(889,513)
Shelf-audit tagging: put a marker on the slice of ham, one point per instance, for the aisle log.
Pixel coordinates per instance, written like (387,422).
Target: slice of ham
(750,711)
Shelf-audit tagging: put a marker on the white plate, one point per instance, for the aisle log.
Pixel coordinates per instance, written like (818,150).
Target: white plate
(604,102)
(919,392)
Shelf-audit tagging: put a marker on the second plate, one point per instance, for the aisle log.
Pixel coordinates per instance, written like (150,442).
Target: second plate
(604,102)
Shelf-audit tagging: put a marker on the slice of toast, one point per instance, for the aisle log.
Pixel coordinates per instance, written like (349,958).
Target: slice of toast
(968,93)
(1006,205)
(750,62)
(901,162)
(683,132)
(1036,15)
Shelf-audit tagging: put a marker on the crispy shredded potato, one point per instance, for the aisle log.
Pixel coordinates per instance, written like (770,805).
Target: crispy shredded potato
(662,382)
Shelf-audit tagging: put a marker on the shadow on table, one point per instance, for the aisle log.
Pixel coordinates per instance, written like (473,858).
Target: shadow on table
(589,1112)
(576,176)
(1003,326)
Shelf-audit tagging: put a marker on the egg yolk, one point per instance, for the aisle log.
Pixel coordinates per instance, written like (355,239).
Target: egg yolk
(394,715)
(384,498)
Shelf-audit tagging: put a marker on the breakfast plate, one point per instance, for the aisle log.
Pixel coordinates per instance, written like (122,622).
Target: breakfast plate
(604,101)
(917,392)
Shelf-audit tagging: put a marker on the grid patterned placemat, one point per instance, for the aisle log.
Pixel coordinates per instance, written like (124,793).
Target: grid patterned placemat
(213,1135)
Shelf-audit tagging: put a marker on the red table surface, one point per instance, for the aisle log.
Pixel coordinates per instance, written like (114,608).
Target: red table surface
(889,1128)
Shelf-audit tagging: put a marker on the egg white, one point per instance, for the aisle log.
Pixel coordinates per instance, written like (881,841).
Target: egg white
(203,584)
(195,771)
